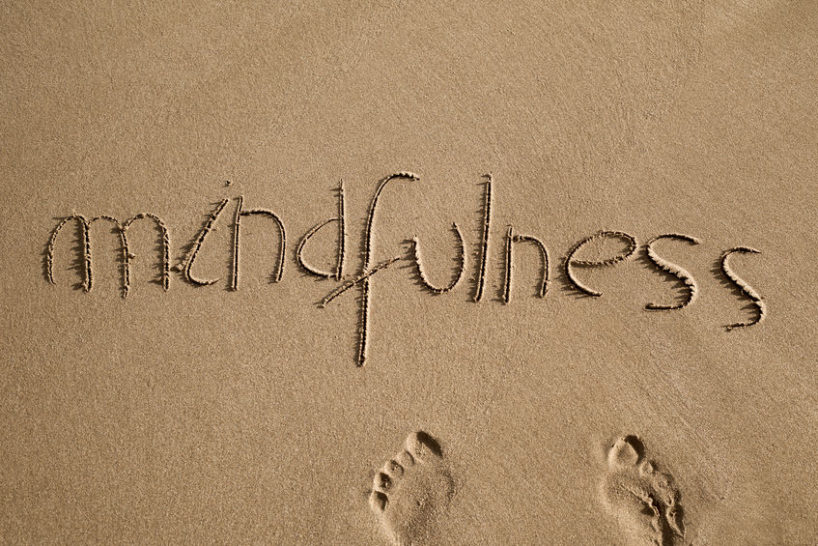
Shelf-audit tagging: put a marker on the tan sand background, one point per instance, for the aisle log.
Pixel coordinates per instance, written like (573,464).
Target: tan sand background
(203,415)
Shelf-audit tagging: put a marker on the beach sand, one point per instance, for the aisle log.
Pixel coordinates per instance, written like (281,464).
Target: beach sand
(236,412)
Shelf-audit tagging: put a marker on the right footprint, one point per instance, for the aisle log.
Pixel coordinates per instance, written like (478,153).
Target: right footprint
(643,499)
(412,492)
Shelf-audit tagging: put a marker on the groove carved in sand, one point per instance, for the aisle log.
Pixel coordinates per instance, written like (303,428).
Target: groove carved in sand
(746,289)
(461,265)
(338,273)
(480,282)
(121,229)
(512,238)
(366,272)
(571,261)
(187,267)
(278,272)
(672,269)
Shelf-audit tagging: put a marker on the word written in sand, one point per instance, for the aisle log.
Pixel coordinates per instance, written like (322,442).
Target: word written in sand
(362,280)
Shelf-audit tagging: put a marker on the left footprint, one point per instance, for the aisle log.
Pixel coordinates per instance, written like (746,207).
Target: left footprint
(412,491)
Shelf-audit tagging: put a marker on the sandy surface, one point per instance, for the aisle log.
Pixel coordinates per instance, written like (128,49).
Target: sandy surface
(203,414)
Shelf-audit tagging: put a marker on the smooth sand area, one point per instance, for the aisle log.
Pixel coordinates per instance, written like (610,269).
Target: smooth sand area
(221,401)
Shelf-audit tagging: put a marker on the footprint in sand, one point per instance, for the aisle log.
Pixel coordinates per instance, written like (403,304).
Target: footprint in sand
(412,492)
(644,500)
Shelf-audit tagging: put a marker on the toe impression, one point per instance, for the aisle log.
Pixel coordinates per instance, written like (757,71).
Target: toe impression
(422,447)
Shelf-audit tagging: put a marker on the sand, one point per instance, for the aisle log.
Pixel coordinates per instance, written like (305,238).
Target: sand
(219,395)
